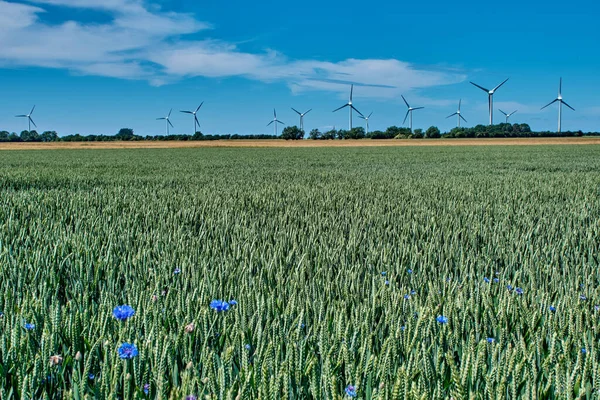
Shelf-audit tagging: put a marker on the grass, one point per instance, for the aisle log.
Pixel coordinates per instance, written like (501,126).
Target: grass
(300,239)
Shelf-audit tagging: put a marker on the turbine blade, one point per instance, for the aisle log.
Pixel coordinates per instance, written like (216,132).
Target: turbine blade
(549,104)
(407,105)
(463,118)
(199,106)
(170,113)
(514,112)
(418,108)
(169,121)
(497,87)
(20,116)
(361,117)
(403,122)
(31,112)
(370,114)
(560,87)
(480,87)
(281,122)
(161,118)
(344,106)
(567,105)
(459,102)
(274,114)
(355,109)
(296,111)
(451,115)
(187,112)
(36,125)
(351,91)
(270,123)
(503,112)
(196,119)
(308,111)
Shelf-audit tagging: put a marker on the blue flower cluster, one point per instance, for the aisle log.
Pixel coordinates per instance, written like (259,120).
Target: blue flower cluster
(122,313)
(220,305)
(441,319)
(350,391)
(127,351)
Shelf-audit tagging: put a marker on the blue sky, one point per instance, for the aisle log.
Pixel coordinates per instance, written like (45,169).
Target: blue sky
(94,66)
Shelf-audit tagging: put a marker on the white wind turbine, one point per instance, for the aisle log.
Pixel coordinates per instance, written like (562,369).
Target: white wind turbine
(458,113)
(301,117)
(560,101)
(490,98)
(366,120)
(508,115)
(410,111)
(29,119)
(350,106)
(275,121)
(167,121)
(195,117)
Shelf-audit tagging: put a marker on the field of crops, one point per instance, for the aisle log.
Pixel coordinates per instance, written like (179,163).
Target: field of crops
(373,273)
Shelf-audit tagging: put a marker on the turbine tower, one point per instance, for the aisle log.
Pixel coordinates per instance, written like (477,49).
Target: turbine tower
(28,116)
(276,121)
(366,120)
(301,117)
(508,115)
(490,98)
(458,113)
(168,121)
(560,101)
(410,111)
(351,107)
(195,117)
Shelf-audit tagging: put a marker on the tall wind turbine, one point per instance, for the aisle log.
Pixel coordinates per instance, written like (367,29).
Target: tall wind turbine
(508,115)
(28,116)
(275,121)
(350,106)
(458,113)
(301,117)
(560,101)
(168,121)
(366,120)
(410,111)
(490,98)
(195,117)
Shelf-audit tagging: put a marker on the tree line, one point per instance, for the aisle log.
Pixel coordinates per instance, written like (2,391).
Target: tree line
(295,133)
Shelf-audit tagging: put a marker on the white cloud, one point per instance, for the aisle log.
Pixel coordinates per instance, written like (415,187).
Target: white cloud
(145,42)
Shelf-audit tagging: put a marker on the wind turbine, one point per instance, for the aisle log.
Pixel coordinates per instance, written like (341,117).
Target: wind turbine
(351,107)
(366,120)
(560,103)
(276,121)
(168,122)
(195,116)
(410,111)
(490,98)
(301,117)
(28,116)
(458,113)
(507,115)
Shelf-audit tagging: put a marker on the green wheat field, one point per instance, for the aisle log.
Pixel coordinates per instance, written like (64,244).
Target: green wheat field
(373,273)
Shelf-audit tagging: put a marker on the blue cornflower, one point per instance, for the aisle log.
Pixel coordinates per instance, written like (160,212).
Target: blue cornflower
(496,280)
(176,271)
(509,287)
(1,314)
(233,302)
(123,312)
(583,351)
(519,291)
(247,347)
(29,326)
(448,279)
(581,286)
(441,319)
(409,271)
(406,297)
(383,273)
(147,388)
(486,279)
(413,292)
(191,397)
(403,328)
(552,308)
(597,307)
(582,297)
(127,351)
(219,305)
(491,340)
(302,325)
(386,282)
(350,391)
(91,377)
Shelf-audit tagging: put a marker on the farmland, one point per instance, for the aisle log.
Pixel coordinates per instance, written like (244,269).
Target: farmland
(367,272)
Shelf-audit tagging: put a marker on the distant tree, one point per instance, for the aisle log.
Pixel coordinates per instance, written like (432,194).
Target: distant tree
(329,135)
(432,132)
(30,136)
(292,133)
(49,136)
(125,134)
(355,133)
(314,134)
(4,135)
(417,134)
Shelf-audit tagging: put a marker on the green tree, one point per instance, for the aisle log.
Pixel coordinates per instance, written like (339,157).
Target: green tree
(49,136)
(292,133)
(125,134)
(30,136)
(315,134)
(432,132)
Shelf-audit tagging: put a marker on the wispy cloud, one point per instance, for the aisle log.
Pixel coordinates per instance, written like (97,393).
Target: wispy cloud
(143,41)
